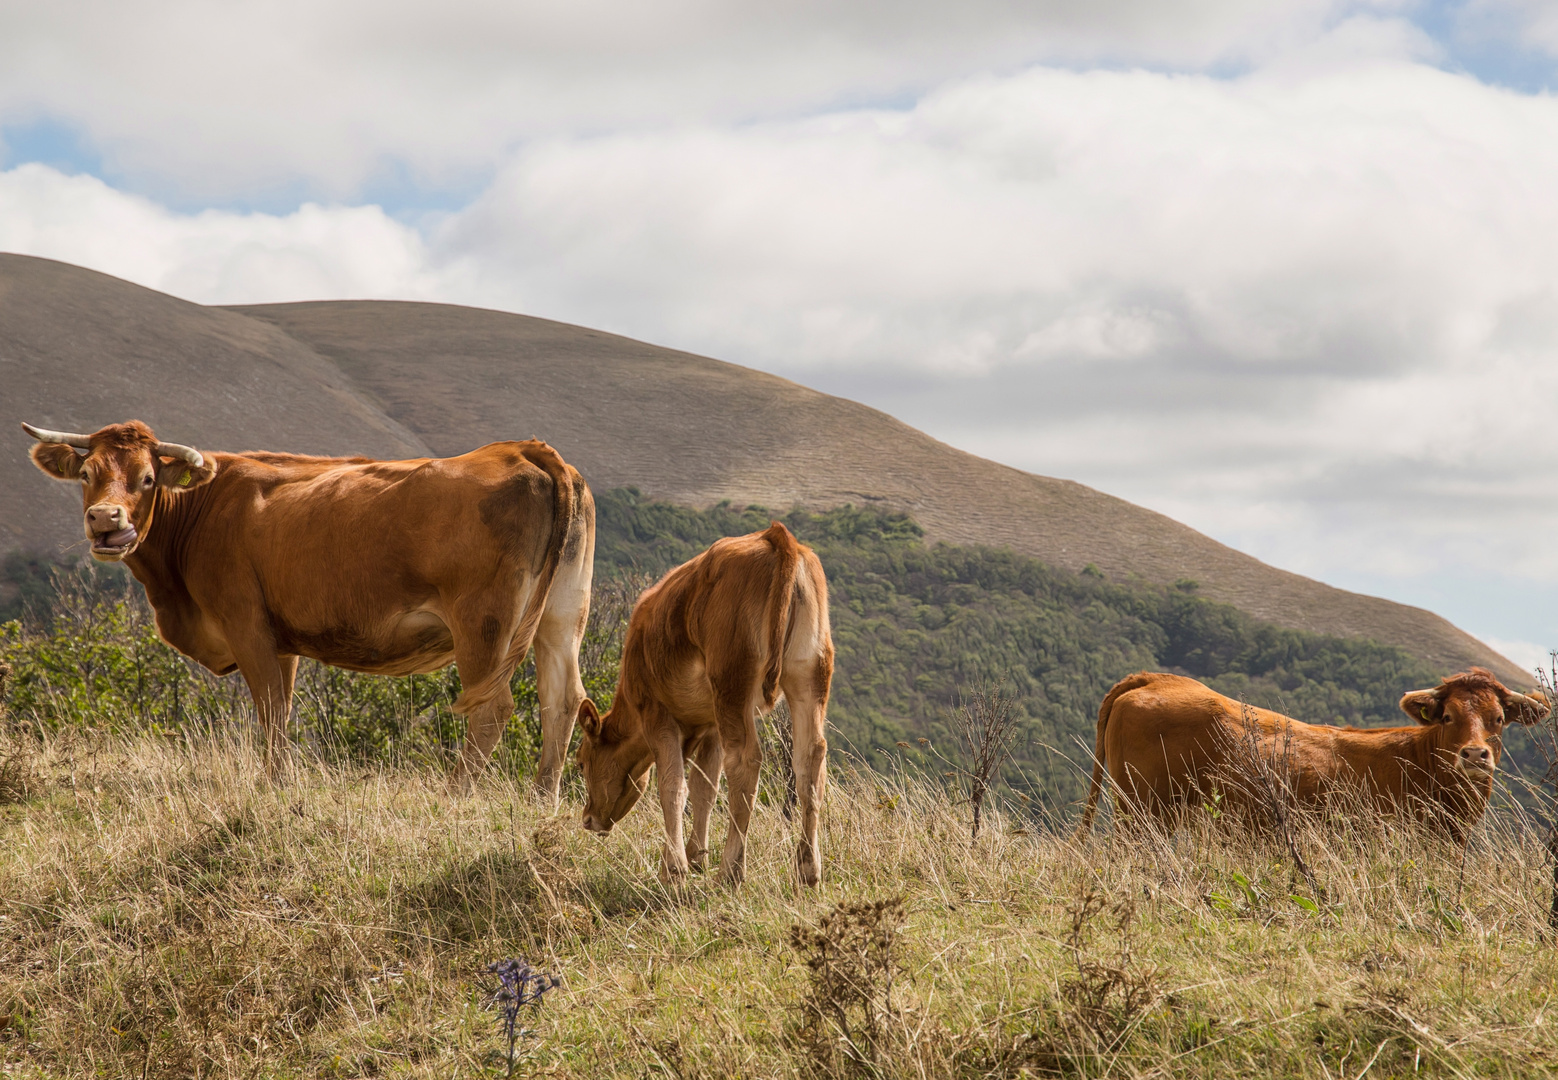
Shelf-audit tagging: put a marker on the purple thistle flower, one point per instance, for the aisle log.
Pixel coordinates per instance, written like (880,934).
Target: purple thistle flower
(519,985)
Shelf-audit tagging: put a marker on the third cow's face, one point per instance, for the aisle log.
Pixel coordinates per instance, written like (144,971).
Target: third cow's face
(1470,732)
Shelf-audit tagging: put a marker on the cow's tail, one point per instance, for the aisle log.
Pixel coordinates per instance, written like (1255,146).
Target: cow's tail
(1124,686)
(780,606)
(565,510)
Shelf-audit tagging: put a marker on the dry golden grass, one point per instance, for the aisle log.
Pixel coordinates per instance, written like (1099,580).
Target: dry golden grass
(164,911)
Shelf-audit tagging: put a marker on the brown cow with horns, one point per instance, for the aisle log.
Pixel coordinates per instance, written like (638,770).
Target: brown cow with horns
(709,648)
(1168,741)
(252,560)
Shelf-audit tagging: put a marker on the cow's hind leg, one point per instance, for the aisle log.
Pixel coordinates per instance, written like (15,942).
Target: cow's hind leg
(743,756)
(806,683)
(705,758)
(557,664)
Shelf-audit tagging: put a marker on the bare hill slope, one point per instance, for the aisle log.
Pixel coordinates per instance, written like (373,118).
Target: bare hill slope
(79,349)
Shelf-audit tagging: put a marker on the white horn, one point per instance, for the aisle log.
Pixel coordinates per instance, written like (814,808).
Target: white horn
(183,453)
(80,442)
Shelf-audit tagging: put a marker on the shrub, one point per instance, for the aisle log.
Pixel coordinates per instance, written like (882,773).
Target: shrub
(93,660)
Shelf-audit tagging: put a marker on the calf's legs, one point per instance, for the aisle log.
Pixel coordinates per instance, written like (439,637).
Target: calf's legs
(743,765)
(806,686)
(705,757)
(673,803)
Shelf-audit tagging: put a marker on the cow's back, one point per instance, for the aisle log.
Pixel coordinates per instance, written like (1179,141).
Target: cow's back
(1164,729)
(704,629)
(1169,738)
(311,529)
(356,561)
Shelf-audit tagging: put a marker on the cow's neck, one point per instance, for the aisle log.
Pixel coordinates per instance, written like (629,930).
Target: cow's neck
(159,559)
(1417,749)
(1460,795)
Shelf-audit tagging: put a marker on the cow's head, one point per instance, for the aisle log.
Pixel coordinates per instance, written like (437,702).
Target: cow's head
(1468,713)
(120,470)
(615,765)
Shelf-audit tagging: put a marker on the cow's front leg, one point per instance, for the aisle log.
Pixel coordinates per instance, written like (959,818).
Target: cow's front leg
(270,679)
(673,803)
(705,757)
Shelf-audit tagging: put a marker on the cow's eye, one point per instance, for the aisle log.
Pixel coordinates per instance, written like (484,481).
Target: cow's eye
(146,480)
(86,477)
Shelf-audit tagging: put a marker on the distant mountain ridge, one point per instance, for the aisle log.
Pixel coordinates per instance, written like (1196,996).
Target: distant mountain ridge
(79,349)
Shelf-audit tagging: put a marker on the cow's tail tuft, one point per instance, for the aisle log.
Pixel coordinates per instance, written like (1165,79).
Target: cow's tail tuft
(780,605)
(565,509)
(1124,686)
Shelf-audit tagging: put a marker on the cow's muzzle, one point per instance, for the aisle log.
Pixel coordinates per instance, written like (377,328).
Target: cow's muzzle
(1475,759)
(113,536)
(595,825)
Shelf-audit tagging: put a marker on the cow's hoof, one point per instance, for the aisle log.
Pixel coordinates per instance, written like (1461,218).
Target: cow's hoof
(733,875)
(547,790)
(673,877)
(696,858)
(808,870)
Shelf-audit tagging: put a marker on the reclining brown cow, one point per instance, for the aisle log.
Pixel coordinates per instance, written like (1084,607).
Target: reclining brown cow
(252,560)
(1169,742)
(708,649)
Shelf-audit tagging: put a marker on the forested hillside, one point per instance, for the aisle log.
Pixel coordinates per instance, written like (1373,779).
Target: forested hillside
(914,622)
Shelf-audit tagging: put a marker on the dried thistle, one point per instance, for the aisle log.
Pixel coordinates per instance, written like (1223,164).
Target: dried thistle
(519,985)
(850,954)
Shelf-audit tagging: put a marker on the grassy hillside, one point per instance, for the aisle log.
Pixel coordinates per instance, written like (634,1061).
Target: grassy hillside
(165,911)
(168,913)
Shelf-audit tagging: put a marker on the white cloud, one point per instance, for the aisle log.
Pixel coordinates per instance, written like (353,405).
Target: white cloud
(1534,23)
(1527,654)
(213,256)
(196,100)
(1310,310)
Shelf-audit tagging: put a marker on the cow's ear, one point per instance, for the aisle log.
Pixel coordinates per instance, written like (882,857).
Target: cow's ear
(180,475)
(1526,708)
(589,719)
(1424,706)
(58,460)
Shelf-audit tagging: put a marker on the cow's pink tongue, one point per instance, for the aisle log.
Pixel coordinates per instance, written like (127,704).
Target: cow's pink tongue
(121,538)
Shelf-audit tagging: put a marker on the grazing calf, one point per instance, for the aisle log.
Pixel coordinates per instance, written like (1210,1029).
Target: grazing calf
(709,648)
(1167,739)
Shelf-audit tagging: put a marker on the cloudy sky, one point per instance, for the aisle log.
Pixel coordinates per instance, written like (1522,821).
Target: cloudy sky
(1286,270)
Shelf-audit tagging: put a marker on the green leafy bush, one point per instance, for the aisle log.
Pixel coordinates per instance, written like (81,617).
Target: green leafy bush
(92,659)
